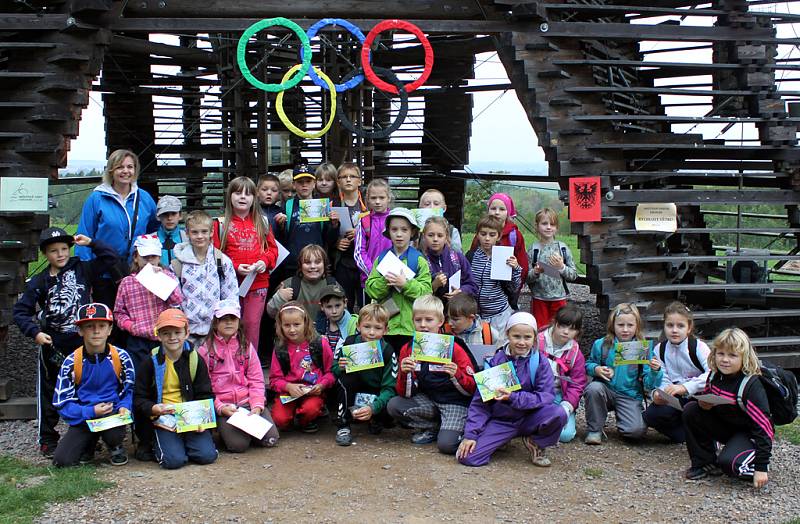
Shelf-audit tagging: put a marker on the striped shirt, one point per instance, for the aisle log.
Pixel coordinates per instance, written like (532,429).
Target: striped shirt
(492,294)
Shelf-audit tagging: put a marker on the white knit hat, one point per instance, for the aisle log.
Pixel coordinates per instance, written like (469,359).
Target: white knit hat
(520,317)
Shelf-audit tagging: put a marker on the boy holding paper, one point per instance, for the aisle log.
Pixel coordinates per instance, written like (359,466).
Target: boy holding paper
(433,399)
(375,385)
(493,294)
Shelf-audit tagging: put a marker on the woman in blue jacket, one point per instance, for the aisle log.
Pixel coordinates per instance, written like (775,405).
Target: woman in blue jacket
(116,212)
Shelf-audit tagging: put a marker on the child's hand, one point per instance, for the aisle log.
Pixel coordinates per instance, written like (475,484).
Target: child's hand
(439,281)
(657,399)
(256,411)
(705,405)
(157,268)
(82,240)
(407,365)
(502,394)
(315,391)
(450,368)
(512,261)
(453,293)
(676,390)
(350,235)
(760,479)
(259,266)
(343,363)
(396,280)
(280,219)
(243,269)
(123,411)
(286,293)
(556,261)
(162,409)
(295,390)
(655,365)
(227,410)
(364,413)
(102,409)
(344,243)
(466,447)
(604,372)
(334,216)
(43,339)
(537,269)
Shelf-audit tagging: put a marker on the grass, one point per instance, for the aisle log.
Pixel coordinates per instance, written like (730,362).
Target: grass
(593,473)
(790,432)
(21,503)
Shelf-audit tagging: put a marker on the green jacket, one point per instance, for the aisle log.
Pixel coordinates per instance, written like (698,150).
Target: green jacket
(378,289)
(382,379)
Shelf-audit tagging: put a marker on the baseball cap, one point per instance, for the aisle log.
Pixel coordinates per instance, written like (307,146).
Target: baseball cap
(403,213)
(94,311)
(171,317)
(332,290)
(148,245)
(52,235)
(228,307)
(168,204)
(302,171)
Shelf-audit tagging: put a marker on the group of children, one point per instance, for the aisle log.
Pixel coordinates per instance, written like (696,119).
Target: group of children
(211,338)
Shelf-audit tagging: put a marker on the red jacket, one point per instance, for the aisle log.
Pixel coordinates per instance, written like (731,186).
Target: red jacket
(243,248)
(436,384)
(302,369)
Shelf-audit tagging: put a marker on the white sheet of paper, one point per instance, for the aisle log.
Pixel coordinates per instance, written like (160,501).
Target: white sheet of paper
(157,283)
(549,270)
(244,287)
(454,282)
(672,401)
(715,400)
(501,270)
(282,254)
(254,425)
(392,264)
(345,220)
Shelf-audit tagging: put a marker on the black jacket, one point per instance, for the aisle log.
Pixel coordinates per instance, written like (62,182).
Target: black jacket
(146,396)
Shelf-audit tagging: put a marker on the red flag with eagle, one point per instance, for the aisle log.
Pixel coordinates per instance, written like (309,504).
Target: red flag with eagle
(584,199)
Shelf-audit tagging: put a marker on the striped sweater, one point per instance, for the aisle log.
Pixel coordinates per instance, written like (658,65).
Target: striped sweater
(492,294)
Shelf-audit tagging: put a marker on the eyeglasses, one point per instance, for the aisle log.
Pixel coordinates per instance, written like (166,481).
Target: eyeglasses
(348,177)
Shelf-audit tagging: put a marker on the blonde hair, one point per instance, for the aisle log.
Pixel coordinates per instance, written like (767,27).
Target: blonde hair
(326,169)
(428,304)
(622,309)
(238,184)
(736,340)
(547,213)
(381,183)
(115,159)
(435,221)
(198,217)
(374,312)
(349,166)
(285,177)
(293,306)
(431,192)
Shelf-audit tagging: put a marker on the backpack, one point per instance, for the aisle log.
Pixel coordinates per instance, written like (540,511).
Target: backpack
(159,369)
(177,265)
(297,282)
(513,296)
(314,349)
(412,258)
(533,363)
(572,351)
(77,369)
(537,247)
(781,389)
(662,348)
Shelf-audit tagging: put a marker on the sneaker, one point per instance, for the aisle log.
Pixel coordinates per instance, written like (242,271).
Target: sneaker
(423,437)
(144,454)
(344,437)
(311,427)
(537,453)
(702,472)
(87,456)
(594,438)
(119,457)
(374,427)
(47,450)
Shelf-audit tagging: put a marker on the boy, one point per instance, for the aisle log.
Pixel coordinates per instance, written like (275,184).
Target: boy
(334,321)
(170,232)
(462,310)
(433,198)
(206,275)
(493,294)
(348,179)
(297,234)
(174,373)
(377,382)
(269,196)
(59,291)
(433,400)
(95,381)
(286,186)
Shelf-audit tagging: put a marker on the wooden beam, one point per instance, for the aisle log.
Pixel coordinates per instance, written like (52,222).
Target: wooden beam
(182,55)
(638,32)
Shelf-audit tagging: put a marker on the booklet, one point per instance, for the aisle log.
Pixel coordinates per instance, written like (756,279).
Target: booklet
(366,355)
(364,399)
(112,421)
(346,222)
(285,399)
(315,210)
(390,263)
(454,282)
(432,347)
(494,378)
(421,215)
(671,400)
(633,352)
(716,400)
(156,282)
(244,287)
(549,270)
(195,415)
(254,425)
(500,270)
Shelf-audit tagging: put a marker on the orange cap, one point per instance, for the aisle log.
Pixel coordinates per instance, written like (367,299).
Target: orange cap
(171,317)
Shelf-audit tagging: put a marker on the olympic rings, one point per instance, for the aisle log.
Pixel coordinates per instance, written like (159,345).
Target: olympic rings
(398,121)
(411,28)
(289,125)
(305,54)
(352,29)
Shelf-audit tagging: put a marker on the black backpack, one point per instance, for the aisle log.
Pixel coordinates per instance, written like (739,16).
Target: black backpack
(512,295)
(662,348)
(781,389)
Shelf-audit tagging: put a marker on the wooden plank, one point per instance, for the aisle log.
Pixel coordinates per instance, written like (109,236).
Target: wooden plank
(716,287)
(694,196)
(670,33)
(706,258)
(715,314)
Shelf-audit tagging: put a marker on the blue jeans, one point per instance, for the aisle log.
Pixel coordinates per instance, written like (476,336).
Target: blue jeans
(174,450)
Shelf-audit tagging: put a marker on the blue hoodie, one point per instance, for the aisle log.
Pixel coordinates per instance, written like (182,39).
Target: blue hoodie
(626,378)
(104,218)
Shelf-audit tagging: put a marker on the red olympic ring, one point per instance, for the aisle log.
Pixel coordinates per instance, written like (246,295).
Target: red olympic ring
(406,26)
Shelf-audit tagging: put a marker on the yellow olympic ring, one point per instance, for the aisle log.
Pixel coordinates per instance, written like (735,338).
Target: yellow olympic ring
(282,114)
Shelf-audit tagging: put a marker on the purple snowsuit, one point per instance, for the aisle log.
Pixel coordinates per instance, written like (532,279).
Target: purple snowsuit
(529,411)
(445,263)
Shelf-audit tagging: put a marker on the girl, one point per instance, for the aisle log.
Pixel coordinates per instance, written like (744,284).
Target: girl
(236,377)
(370,239)
(744,430)
(501,206)
(300,371)
(444,261)
(394,290)
(559,344)
(246,238)
(346,270)
(307,285)
(433,198)
(326,181)
(137,309)
(618,388)
(529,412)
(684,359)
(549,293)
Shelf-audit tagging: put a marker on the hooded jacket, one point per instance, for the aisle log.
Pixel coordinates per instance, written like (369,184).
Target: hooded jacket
(569,369)
(146,395)
(439,386)
(107,218)
(370,242)
(235,379)
(243,247)
(449,261)
(302,368)
(380,380)
(626,379)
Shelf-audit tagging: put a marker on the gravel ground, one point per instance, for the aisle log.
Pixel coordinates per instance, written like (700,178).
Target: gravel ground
(19,362)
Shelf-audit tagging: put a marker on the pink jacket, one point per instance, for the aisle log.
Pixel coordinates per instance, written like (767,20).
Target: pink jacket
(369,244)
(302,369)
(234,380)
(571,365)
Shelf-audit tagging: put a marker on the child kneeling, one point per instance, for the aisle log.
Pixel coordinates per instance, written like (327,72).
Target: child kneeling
(174,374)
(529,412)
